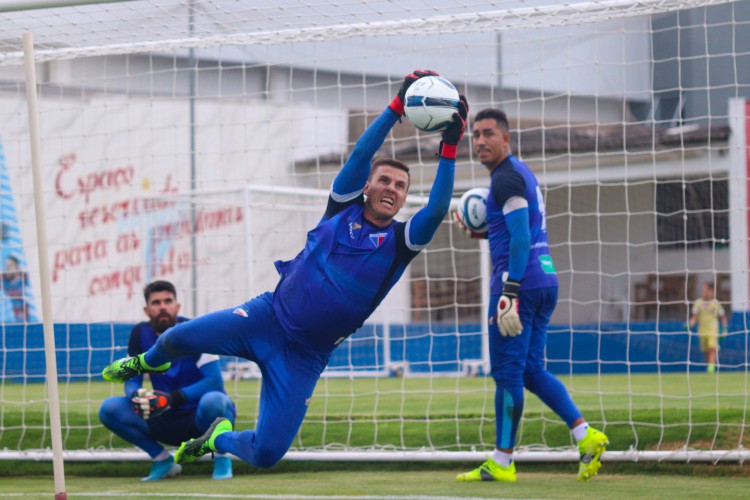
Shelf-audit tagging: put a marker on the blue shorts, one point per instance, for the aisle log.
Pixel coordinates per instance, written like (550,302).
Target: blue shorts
(512,357)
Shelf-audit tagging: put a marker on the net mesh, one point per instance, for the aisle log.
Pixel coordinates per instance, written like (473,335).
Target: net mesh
(195,141)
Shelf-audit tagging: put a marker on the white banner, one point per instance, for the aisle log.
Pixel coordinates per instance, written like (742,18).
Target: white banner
(114,169)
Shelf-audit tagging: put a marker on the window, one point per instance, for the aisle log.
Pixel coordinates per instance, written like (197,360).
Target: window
(692,213)
(669,110)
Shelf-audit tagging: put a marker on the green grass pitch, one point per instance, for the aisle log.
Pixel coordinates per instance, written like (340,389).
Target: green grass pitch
(645,412)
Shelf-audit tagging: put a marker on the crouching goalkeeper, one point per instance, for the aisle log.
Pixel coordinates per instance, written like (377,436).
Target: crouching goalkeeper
(184,401)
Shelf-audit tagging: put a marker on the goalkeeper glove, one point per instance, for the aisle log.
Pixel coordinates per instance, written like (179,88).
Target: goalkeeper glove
(397,104)
(151,404)
(507,310)
(464,229)
(453,133)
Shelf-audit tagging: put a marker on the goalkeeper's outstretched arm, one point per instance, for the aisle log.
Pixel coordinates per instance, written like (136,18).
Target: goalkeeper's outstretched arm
(424,224)
(353,176)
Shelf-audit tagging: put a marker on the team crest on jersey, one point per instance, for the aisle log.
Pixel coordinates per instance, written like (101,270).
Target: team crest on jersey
(377,238)
(240,311)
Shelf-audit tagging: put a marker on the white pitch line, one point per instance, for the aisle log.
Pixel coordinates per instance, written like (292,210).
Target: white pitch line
(116,494)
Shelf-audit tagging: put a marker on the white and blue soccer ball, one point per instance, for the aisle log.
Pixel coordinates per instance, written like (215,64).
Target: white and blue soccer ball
(430,103)
(472,209)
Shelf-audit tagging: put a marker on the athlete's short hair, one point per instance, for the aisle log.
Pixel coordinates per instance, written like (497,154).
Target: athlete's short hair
(391,162)
(158,286)
(494,114)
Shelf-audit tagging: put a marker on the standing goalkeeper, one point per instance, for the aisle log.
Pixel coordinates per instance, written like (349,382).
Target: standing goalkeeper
(184,401)
(351,259)
(523,295)
(709,315)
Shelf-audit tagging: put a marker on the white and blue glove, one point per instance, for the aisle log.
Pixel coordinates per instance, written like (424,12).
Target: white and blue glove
(507,310)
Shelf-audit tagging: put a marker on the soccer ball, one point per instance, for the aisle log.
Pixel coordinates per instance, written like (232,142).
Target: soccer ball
(430,103)
(472,209)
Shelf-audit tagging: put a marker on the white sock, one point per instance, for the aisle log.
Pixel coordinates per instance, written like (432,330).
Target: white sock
(502,458)
(161,456)
(579,431)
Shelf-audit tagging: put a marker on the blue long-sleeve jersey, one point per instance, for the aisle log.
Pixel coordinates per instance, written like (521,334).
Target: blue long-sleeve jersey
(348,264)
(514,249)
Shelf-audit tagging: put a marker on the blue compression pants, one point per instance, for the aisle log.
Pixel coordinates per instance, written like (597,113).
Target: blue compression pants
(290,372)
(173,427)
(518,362)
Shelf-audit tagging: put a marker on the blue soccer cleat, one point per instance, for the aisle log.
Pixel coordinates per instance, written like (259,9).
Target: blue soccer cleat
(222,468)
(163,468)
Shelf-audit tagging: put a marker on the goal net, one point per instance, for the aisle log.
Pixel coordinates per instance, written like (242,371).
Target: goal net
(196,140)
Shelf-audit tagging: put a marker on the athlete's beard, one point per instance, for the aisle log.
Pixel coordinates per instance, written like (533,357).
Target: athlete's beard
(162,323)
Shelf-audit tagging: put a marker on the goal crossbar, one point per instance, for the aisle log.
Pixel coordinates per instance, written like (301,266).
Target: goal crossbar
(477,22)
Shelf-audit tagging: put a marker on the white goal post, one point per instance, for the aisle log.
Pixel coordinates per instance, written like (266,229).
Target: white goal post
(196,140)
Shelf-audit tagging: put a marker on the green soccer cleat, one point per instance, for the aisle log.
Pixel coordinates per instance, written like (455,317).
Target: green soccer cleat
(591,448)
(192,450)
(490,471)
(127,368)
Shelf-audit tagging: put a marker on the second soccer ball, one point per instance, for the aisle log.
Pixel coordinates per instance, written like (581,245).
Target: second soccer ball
(472,209)
(430,103)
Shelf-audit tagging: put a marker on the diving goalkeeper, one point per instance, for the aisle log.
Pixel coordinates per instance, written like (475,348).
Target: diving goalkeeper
(184,401)
(352,258)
